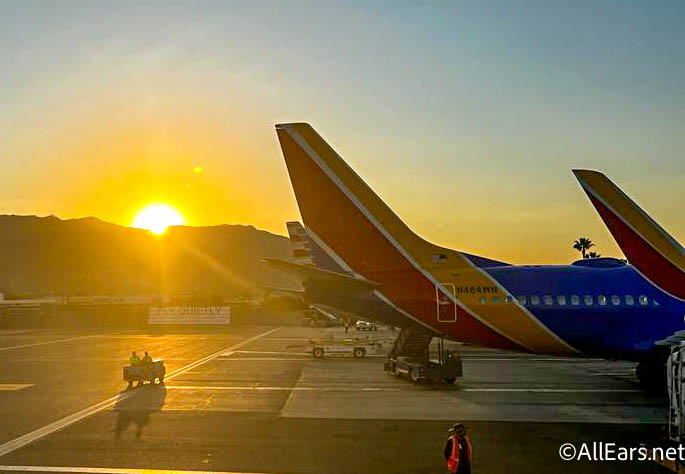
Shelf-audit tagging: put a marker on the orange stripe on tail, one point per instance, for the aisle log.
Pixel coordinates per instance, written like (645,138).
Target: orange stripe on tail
(648,247)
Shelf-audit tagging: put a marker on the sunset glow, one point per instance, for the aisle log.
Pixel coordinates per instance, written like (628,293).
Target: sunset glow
(157,217)
(183,113)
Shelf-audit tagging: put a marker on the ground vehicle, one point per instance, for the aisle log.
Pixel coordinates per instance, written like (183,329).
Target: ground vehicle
(150,373)
(446,370)
(355,347)
(365,326)
(410,357)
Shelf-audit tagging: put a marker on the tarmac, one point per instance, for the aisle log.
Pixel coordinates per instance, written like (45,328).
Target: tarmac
(249,399)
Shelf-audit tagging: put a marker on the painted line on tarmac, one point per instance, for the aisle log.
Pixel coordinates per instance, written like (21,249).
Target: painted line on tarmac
(307,357)
(90,359)
(28,438)
(44,343)
(300,354)
(551,390)
(239,359)
(611,374)
(389,389)
(273,352)
(530,359)
(111,470)
(13,387)
(281,389)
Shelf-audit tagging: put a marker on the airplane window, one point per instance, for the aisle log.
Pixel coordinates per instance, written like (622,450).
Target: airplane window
(482,301)
(630,301)
(615,300)
(522,299)
(601,300)
(644,301)
(507,299)
(495,300)
(575,300)
(534,300)
(548,300)
(588,300)
(561,300)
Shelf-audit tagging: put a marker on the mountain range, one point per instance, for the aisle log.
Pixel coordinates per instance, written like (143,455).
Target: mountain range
(48,255)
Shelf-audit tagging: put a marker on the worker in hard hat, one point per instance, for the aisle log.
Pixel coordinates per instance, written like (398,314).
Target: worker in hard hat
(459,450)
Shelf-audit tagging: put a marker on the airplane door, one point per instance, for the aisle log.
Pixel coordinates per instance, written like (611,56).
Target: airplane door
(446,309)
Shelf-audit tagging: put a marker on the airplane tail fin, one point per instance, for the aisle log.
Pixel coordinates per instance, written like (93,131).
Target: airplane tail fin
(300,243)
(360,233)
(648,247)
(341,213)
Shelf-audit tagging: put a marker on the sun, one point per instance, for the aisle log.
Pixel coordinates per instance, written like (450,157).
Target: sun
(157,217)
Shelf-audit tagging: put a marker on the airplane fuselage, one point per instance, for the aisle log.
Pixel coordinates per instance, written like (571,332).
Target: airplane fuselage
(603,308)
(600,311)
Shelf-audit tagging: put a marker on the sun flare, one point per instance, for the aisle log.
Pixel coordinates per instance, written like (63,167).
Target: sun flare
(157,217)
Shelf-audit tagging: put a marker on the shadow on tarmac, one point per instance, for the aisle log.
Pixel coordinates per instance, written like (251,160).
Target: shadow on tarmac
(136,410)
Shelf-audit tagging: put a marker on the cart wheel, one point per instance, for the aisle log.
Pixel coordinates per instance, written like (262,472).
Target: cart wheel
(317,352)
(359,352)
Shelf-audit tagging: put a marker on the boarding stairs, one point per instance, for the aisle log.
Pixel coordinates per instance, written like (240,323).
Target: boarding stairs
(412,344)
(675,380)
(410,358)
(676,373)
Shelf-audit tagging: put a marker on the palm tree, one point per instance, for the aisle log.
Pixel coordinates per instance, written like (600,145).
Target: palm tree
(594,255)
(582,245)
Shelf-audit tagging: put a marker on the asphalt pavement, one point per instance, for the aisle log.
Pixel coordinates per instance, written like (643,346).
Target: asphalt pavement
(249,399)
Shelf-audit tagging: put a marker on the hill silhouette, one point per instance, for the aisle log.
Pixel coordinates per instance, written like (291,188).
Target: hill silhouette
(90,256)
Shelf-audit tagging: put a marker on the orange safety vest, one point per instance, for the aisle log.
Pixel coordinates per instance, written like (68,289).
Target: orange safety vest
(453,460)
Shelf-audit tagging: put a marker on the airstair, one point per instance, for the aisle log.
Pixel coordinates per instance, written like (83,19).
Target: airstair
(410,358)
(675,382)
(412,343)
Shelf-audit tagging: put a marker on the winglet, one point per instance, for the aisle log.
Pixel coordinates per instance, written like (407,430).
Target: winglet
(645,243)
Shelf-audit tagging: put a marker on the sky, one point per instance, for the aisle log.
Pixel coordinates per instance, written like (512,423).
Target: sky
(466,117)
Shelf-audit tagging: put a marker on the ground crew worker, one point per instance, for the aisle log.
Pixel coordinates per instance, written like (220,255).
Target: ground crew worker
(458,450)
(134,359)
(147,360)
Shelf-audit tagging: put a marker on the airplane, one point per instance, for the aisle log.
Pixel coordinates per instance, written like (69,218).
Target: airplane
(330,289)
(602,307)
(653,252)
